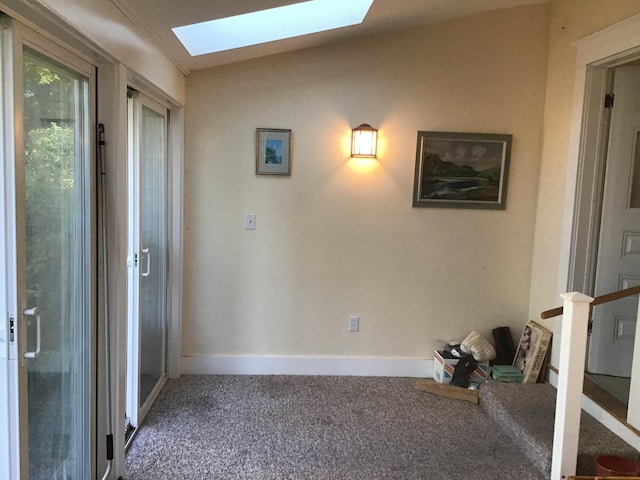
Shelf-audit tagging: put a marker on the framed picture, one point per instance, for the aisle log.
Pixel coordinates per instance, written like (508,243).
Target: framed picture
(461,170)
(532,351)
(273,151)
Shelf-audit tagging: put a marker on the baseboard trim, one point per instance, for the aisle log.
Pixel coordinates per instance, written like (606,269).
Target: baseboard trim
(273,365)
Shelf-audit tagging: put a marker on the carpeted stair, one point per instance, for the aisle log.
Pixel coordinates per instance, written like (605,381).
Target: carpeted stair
(526,413)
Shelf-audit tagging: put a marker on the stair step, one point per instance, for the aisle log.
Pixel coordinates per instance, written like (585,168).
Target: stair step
(526,413)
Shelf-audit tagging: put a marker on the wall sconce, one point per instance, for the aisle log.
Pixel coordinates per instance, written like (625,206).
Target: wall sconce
(364,141)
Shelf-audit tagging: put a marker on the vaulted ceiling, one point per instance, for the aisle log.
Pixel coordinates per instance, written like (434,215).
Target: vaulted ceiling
(156,18)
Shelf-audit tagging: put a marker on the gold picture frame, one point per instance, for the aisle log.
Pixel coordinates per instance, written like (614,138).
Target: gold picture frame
(273,151)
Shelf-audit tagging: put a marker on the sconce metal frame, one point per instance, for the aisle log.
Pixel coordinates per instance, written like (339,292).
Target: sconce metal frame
(364,141)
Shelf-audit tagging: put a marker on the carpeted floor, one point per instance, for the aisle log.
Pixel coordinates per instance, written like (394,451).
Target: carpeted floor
(330,428)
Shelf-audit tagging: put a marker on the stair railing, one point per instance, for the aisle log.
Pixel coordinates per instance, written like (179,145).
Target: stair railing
(576,311)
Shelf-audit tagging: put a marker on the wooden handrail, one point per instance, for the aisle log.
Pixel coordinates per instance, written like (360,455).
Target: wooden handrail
(606,298)
(554,312)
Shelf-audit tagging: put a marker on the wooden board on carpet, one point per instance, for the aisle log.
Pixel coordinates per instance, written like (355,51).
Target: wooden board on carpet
(446,390)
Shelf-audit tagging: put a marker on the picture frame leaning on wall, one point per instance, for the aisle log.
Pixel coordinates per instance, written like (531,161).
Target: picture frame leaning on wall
(532,351)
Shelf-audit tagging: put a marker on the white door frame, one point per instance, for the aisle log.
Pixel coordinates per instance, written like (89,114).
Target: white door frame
(610,347)
(10,440)
(135,411)
(596,54)
(14,36)
(133,340)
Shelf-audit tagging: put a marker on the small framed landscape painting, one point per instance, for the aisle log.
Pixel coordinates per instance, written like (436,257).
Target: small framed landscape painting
(273,151)
(461,170)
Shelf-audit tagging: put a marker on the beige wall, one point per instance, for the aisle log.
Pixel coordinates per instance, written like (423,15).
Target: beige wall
(112,33)
(571,20)
(335,238)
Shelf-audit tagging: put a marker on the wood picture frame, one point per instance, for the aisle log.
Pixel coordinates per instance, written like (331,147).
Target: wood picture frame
(462,170)
(273,151)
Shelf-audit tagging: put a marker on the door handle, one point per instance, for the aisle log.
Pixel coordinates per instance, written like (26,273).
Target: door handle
(34,312)
(146,253)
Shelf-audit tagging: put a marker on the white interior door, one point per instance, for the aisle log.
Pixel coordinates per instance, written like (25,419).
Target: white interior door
(48,245)
(146,363)
(618,263)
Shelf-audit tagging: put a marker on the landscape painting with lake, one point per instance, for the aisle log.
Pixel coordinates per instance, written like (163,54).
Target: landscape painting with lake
(461,170)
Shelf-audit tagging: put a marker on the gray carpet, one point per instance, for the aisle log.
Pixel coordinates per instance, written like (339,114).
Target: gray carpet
(333,428)
(527,414)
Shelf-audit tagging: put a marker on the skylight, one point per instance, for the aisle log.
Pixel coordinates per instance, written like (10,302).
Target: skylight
(269,25)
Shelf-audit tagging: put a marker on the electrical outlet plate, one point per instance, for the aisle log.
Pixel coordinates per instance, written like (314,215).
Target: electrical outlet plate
(354,323)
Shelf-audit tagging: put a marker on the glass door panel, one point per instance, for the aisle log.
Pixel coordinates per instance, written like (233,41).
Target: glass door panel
(58,259)
(152,158)
(146,343)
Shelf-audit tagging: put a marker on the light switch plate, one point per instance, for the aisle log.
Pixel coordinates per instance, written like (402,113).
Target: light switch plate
(250,221)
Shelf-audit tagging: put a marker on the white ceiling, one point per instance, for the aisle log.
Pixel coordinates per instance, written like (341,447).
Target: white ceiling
(156,18)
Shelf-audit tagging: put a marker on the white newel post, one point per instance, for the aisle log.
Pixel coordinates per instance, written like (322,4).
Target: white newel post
(573,347)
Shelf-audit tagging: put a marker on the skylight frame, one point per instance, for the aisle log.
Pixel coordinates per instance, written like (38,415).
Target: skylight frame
(264,26)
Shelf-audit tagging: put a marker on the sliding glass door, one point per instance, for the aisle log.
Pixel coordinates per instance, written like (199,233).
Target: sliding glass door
(57,253)
(148,247)
(48,242)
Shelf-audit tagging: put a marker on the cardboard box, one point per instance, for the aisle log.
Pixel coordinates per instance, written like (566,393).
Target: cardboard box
(443,369)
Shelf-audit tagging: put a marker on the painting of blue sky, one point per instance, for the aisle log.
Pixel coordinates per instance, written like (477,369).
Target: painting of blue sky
(273,154)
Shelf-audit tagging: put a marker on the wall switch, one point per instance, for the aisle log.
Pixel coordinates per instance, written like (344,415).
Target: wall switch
(250,221)
(354,323)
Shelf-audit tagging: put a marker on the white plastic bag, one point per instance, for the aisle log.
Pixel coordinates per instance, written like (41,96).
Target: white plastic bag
(479,347)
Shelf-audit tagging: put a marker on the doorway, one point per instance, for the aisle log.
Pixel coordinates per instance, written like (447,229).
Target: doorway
(618,260)
(148,255)
(606,254)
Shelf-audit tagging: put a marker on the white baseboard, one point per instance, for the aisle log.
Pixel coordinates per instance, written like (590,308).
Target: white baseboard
(272,365)
(604,417)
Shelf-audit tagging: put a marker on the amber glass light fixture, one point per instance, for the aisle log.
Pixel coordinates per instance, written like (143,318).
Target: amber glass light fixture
(364,141)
